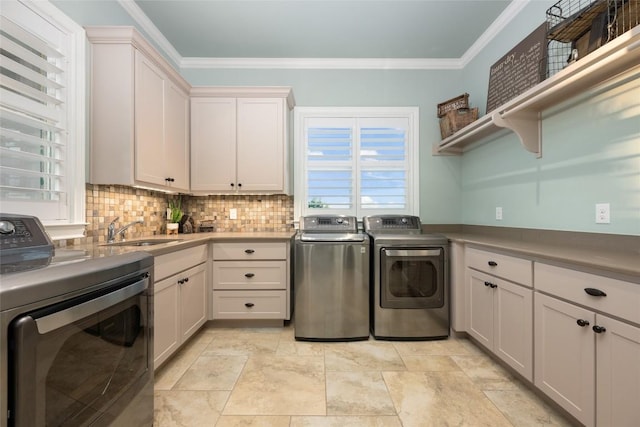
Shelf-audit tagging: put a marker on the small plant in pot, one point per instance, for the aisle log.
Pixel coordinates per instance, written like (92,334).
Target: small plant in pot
(174,215)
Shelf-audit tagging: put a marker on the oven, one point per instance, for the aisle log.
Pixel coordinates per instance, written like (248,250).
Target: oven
(77,347)
(412,277)
(409,280)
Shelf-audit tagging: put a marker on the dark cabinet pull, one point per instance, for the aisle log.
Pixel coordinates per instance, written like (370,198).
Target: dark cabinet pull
(239,184)
(186,279)
(487,283)
(595,292)
(248,304)
(491,285)
(599,329)
(249,275)
(582,322)
(492,263)
(249,251)
(232,184)
(180,282)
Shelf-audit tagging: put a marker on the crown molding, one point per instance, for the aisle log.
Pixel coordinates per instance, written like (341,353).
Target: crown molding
(149,27)
(324,63)
(515,7)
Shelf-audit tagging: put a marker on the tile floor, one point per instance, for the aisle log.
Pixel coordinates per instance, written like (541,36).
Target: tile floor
(230,377)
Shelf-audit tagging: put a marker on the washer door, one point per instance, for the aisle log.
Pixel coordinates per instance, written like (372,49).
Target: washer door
(412,278)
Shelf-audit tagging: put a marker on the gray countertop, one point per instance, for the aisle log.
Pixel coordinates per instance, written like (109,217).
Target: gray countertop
(623,263)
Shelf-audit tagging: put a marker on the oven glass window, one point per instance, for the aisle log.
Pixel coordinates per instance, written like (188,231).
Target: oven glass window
(409,280)
(79,371)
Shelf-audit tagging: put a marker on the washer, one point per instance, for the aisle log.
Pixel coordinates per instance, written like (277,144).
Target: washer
(409,279)
(331,280)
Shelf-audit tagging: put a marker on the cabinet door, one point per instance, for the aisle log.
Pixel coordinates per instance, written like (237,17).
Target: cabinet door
(618,373)
(565,356)
(176,125)
(513,326)
(149,130)
(213,144)
(193,300)
(261,144)
(480,307)
(166,328)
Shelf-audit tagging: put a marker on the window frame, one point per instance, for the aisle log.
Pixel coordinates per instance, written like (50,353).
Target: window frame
(75,111)
(412,114)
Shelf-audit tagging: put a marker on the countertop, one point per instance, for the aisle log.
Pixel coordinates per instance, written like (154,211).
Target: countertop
(623,263)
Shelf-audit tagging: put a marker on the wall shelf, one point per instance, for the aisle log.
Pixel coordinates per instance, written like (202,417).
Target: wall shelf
(522,114)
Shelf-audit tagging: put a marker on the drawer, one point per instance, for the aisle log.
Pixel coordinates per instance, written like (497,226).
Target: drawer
(175,262)
(622,298)
(250,275)
(517,270)
(249,304)
(250,250)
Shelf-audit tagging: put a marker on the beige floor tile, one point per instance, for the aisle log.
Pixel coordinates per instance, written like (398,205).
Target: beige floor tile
(357,393)
(179,408)
(430,363)
(253,421)
(346,421)
(242,343)
(448,347)
(212,373)
(171,372)
(524,409)
(486,373)
(362,356)
(440,398)
(279,385)
(299,348)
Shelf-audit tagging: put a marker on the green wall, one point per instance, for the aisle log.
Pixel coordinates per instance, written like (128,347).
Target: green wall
(591,150)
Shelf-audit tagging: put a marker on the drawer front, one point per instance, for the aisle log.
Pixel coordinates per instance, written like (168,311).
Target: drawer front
(249,275)
(622,298)
(517,270)
(250,251)
(249,304)
(175,262)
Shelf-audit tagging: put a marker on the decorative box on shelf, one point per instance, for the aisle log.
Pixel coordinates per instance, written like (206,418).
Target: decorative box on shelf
(455,120)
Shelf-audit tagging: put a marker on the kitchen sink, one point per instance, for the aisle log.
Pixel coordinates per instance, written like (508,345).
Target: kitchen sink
(150,242)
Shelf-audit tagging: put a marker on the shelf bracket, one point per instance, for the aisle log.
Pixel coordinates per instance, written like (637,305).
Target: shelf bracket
(525,124)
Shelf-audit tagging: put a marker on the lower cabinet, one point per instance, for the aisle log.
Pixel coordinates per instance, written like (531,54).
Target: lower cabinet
(251,280)
(587,361)
(180,300)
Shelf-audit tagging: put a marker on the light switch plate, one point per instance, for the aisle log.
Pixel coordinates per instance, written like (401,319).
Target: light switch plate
(498,213)
(233,213)
(603,213)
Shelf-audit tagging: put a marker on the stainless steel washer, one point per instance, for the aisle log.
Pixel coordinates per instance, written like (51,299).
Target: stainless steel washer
(331,280)
(409,279)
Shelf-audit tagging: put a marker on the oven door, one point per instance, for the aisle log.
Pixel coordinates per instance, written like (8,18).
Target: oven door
(412,278)
(76,363)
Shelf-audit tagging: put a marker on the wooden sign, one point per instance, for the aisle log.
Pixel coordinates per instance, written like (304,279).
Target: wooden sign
(522,68)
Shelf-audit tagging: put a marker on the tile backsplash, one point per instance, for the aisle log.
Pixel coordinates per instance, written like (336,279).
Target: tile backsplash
(106,202)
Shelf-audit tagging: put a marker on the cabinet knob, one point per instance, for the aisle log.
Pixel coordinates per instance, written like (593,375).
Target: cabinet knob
(599,329)
(249,275)
(239,184)
(249,251)
(186,279)
(232,184)
(582,322)
(248,304)
(180,282)
(491,285)
(595,292)
(487,283)
(492,263)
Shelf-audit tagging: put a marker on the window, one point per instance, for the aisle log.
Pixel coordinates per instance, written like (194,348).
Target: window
(42,116)
(357,162)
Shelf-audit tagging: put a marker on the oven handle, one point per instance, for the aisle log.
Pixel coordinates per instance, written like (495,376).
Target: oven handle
(412,252)
(62,318)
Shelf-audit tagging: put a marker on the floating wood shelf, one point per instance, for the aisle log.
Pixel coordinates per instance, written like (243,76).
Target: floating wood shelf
(522,114)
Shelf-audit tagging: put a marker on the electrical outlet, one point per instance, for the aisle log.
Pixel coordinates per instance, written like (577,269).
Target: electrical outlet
(603,213)
(498,213)
(233,213)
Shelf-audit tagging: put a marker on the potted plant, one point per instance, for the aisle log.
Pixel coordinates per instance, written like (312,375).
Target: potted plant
(174,215)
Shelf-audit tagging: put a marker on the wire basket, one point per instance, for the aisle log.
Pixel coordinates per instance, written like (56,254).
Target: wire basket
(576,28)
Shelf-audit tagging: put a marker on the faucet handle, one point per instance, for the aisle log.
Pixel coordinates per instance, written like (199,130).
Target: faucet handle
(114,221)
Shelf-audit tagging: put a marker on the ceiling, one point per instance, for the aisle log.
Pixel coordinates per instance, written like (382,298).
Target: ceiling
(337,29)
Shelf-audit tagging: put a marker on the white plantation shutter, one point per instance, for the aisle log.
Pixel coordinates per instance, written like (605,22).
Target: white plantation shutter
(349,162)
(41,150)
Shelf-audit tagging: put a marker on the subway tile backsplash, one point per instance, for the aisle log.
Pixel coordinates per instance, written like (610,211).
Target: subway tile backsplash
(106,202)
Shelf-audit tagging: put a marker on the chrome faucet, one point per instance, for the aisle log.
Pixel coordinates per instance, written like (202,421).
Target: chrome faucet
(112,232)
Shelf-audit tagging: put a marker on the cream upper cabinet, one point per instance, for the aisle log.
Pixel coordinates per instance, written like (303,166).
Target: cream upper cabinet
(139,113)
(240,140)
